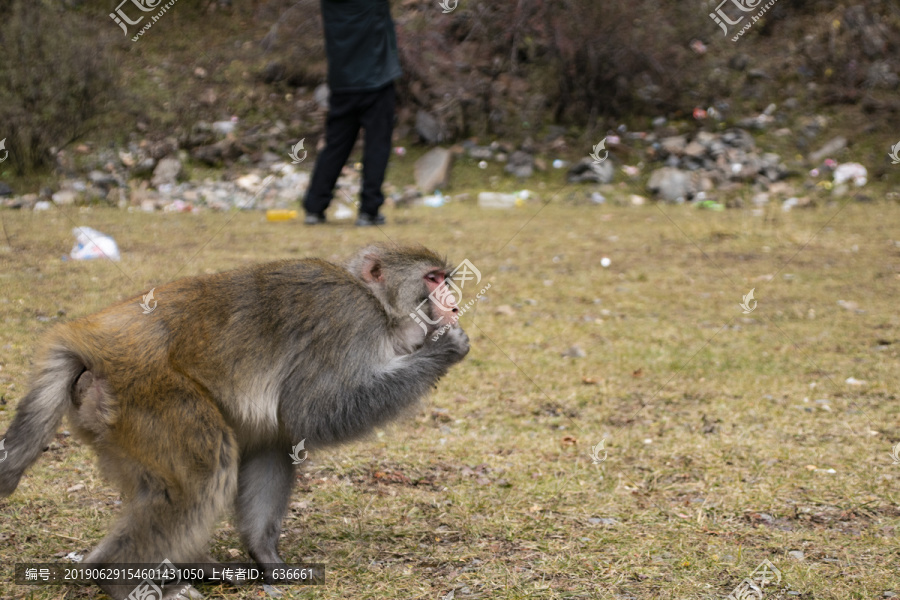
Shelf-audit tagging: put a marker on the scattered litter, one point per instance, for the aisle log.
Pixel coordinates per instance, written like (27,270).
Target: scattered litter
(400,151)
(497,200)
(178,206)
(280,215)
(74,557)
(710,205)
(574,352)
(698,47)
(851,171)
(559,164)
(343,212)
(605,262)
(482,164)
(603,521)
(854,381)
(43,205)
(435,200)
(798,554)
(815,468)
(90,243)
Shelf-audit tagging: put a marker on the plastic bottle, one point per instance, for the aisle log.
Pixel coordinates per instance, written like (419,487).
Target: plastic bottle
(280,214)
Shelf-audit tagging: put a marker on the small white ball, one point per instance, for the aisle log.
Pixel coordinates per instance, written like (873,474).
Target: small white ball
(605,262)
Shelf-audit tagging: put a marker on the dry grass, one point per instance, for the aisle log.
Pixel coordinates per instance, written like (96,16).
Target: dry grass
(710,417)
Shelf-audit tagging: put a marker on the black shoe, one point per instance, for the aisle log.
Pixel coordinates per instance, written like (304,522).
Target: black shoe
(365,220)
(314,219)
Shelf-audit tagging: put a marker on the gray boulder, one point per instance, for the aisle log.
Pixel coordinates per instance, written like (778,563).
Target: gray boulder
(167,171)
(670,184)
(433,169)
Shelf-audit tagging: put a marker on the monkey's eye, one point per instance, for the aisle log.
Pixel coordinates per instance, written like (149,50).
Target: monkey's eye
(435,277)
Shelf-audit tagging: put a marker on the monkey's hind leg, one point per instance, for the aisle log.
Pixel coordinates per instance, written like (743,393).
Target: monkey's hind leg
(176,461)
(264,490)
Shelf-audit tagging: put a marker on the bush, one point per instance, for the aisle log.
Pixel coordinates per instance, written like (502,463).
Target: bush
(55,77)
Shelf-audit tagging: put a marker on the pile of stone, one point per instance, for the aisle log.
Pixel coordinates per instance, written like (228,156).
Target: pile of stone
(280,186)
(696,166)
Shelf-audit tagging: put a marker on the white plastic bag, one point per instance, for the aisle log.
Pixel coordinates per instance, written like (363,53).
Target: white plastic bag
(851,171)
(90,243)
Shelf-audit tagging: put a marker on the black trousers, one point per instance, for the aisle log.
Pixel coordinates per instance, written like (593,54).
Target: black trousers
(348,111)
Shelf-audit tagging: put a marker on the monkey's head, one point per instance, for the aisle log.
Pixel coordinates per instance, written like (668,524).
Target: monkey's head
(408,280)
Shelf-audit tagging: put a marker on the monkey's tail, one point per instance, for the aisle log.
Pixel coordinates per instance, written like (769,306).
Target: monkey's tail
(38,415)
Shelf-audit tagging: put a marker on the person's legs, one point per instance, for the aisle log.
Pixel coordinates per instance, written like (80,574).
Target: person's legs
(341,129)
(378,120)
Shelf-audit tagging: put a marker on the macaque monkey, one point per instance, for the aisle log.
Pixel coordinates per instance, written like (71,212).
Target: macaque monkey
(194,407)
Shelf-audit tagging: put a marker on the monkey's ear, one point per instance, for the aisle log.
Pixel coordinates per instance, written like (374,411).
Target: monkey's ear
(371,270)
(368,265)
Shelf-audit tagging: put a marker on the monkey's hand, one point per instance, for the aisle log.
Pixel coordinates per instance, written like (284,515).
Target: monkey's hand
(452,343)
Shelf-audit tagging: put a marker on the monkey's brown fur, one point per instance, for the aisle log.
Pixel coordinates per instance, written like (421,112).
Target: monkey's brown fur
(194,407)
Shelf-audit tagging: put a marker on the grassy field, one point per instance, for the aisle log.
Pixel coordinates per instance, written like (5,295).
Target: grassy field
(729,438)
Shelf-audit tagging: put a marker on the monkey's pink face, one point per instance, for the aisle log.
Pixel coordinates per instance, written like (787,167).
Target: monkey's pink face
(442,296)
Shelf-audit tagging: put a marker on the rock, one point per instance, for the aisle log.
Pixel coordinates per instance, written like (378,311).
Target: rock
(797,554)
(65,197)
(672,185)
(695,149)
(433,169)
(5,190)
(429,128)
(832,147)
(637,200)
(739,138)
(738,62)
(201,134)
(224,127)
(273,72)
(587,171)
(520,164)
(166,172)
(144,168)
(480,152)
(674,144)
(249,183)
(215,154)
(102,180)
(321,95)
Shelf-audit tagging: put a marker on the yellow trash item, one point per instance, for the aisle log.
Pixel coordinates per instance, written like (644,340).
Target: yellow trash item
(281,215)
